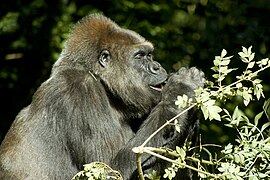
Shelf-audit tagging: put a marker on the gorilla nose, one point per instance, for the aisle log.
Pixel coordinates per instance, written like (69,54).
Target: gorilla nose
(154,67)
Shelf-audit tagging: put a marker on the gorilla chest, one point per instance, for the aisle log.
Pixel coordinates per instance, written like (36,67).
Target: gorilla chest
(107,143)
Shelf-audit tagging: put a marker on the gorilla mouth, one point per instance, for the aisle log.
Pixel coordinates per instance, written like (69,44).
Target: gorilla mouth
(158,87)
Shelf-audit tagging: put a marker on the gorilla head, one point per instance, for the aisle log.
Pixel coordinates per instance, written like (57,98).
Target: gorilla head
(121,59)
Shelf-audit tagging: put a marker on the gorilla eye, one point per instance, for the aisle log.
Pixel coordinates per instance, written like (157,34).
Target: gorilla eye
(139,55)
(149,56)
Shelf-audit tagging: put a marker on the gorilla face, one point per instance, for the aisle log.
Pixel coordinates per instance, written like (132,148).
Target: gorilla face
(152,72)
(131,73)
(134,77)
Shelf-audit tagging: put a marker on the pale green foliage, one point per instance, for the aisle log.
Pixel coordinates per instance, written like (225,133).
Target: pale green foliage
(177,125)
(180,153)
(8,23)
(221,66)
(206,97)
(237,88)
(183,101)
(153,176)
(249,157)
(97,171)
(208,106)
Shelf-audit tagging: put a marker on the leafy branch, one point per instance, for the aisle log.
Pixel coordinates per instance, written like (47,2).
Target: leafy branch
(206,99)
(97,170)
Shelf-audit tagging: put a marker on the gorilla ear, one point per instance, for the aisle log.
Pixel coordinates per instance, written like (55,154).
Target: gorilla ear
(104,58)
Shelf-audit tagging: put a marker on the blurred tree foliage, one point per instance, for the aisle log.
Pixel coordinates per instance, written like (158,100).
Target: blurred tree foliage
(185,33)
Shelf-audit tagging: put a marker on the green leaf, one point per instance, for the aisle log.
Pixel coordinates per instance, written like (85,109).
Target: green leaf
(258,91)
(217,60)
(223,69)
(178,149)
(214,112)
(225,62)
(205,112)
(251,65)
(265,126)
(227,58)
(249,50)
(215,69)
(181,101)
(223,53)
(245,60)
(257,81)
(239,85)
(257,118)
(246,102)
(251,56)
(215,76)
(230,70)
(263,62)
(244,50)
(236,113)
(153,175)
(182,154)
(221,78)
(236,158)
(226,112)
(241,54)
(247,97)
(177,126)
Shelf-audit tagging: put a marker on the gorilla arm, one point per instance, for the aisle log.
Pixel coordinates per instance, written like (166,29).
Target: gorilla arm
(185,81)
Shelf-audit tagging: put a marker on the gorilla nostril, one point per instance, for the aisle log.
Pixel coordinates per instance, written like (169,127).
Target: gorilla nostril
(154,67)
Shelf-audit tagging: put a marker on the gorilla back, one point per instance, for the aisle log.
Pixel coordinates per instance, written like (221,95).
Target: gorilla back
(102,99)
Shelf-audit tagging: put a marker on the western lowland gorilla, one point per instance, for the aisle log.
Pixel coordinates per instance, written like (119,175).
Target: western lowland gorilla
(103,85)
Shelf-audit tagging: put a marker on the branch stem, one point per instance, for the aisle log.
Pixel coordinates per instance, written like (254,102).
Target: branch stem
(167,123)
(139,165)
(245,78)
(179,163)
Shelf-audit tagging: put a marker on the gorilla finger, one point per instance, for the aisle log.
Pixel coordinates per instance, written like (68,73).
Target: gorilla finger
(182,71)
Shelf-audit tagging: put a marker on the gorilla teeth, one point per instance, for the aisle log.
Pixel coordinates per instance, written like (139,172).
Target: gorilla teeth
(158,87)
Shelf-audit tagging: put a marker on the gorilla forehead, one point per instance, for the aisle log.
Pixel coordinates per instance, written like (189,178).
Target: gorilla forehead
(99,29)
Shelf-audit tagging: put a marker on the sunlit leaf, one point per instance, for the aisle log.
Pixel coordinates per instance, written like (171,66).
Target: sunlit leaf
(223,53)
(257,118)
(251,65)
(249,50)
(266,125)
(225,62)
(177,125)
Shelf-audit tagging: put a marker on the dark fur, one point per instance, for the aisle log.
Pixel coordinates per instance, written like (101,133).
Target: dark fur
(86,110)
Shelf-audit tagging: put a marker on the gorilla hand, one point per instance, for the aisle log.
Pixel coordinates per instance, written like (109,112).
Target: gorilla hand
(185,81)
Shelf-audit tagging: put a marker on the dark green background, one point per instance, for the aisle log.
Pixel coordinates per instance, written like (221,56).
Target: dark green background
(184,32)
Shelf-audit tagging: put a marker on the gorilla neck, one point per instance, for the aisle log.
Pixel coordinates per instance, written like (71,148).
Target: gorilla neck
(127,109)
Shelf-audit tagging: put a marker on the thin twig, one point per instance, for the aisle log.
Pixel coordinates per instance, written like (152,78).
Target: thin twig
(252,75)
(139,150)
(167,123)
(139,165)
(179,163)
(173,153)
